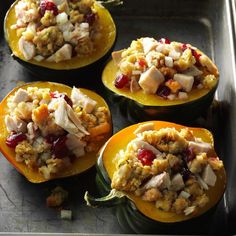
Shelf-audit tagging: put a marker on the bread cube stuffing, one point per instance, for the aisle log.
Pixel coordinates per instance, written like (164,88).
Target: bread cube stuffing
(159,175)
(162,62)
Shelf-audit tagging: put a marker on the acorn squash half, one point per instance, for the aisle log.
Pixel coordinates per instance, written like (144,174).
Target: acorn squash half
(145,106)
(103,46)
(137,215)
(79,165)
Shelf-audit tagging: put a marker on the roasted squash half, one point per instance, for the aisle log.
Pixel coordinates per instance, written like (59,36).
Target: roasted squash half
(79,165)
(143,105)
(103,46)
(135,214)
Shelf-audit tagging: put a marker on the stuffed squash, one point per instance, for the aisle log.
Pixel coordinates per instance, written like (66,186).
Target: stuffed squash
(160,175)
(50,130)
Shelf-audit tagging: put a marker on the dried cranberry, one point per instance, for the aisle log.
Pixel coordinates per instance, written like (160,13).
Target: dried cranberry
(186,173)
(68,100)
(164,40)
(196,54)
(163,91)
(59,148)
(146,156)
(196,82)
(13,139)
(90,18)
(121,81)
(61,95)
(184,47)
(72,157)
(46,5)
(189,155)
(142,62)
(51,138)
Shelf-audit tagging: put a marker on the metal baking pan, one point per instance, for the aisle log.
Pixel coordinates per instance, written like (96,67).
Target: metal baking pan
(207,24)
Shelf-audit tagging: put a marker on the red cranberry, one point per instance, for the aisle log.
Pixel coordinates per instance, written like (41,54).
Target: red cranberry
(196,82)
(196,54)
(186,173)
(46,5)
(184,47)
(121,81)
(164,40)
(61,95)
(51,138)
(146,156)
(163,91)
(59,148)
(90,18)
(13,139)
(189,155)
(54,95)
(68,100)
(142,62)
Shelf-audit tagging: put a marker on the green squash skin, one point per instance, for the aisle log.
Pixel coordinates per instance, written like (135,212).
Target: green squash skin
(181,113)
(68,76)
(84,74)
(133,221)
(177,113)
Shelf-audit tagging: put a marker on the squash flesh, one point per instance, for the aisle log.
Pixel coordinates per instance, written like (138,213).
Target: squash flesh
(102,45)
(148,209)
(79,165)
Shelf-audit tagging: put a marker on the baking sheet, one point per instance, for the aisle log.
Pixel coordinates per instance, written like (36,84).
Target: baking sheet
(207,24)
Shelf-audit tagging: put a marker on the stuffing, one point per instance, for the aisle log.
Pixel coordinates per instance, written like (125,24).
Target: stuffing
(26,153)
(48,41)
(40,114)
(163,204)
(52,133)
(197,165)
(180,205)
(201,201)
(152,65)
(186,60)
(194,189)
(57,197)
(152,195)
(48,19)
(169,140)
(24,110)
(174,161)
(155,167)
(45,27)
(76,16)
(215,163)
